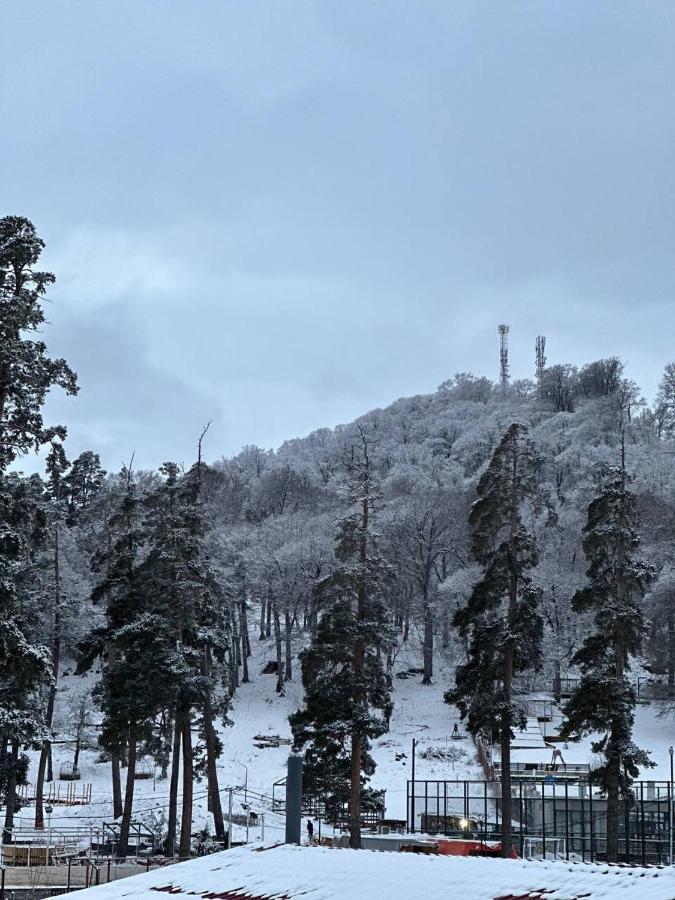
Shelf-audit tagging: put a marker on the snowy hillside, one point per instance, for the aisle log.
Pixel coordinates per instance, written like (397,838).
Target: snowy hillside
(259,712)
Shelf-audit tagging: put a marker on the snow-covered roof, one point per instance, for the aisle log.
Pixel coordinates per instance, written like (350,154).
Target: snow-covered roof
(316,873)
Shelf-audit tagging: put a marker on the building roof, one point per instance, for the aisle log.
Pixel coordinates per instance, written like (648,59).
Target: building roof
(286,872)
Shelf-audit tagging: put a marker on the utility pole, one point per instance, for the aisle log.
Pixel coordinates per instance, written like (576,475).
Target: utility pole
(670,810)
(412,792)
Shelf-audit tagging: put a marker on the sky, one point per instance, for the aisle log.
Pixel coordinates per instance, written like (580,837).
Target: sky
(278,215)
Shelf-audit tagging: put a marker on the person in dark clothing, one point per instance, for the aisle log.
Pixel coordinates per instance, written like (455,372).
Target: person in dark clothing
(310,831)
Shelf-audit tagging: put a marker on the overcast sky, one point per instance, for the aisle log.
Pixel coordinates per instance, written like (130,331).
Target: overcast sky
(278,215)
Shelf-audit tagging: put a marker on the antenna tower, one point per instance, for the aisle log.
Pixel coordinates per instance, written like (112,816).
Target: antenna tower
(540,355)
(503,356)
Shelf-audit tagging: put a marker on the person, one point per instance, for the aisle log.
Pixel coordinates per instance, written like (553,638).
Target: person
(310,831)
(557,756)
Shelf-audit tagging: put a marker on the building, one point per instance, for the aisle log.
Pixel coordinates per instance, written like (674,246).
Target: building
(287,872)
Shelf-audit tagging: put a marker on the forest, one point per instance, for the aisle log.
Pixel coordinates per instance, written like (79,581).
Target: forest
(512,526)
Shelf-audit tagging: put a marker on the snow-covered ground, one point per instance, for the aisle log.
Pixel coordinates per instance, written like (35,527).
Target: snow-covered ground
(419,712)
(317,873)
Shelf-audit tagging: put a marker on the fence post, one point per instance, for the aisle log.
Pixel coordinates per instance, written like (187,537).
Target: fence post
(2,883)
(70,862)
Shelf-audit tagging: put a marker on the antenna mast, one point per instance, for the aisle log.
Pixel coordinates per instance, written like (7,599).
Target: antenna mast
(540,355)
(503,331)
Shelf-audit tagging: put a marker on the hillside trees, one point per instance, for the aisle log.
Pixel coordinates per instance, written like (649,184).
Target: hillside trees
(347,692)
(502,621)
(605,699)
(421,539)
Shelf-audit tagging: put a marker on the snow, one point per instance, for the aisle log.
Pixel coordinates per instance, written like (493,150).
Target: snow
(319,873)
(419,712)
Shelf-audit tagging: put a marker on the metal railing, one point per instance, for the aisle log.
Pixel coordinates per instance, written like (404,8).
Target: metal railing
(573,812)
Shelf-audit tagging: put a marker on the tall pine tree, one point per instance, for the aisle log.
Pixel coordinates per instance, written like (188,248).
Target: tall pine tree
(27,373)
(347,691)
(605,700)
(501,620)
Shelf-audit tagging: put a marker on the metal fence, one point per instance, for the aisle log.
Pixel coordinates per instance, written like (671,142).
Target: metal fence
(569,815)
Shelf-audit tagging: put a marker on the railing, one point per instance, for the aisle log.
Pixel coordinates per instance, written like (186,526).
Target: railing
(70,793)
(537,770)
(645,688)
(574,813)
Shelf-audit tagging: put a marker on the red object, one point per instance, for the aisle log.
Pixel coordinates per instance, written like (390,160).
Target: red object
(463,847)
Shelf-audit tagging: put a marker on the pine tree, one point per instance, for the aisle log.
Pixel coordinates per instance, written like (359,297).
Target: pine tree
(24,663)
(57,466)
(127,643)
(605,699)
(179,578)
(501,620)
(26,375)
(347,691)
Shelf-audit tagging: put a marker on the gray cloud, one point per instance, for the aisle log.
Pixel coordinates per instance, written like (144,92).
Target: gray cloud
(280,215)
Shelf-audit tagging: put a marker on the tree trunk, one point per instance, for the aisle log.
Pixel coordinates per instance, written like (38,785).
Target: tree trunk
(288,629)
(262,620)
(268,618)
(613,774)
(359,662)
(245,646)
(671,652)
(45,753)
(10,798)
(277,641)
(185,845)
(170,848)
(116,784)
(235,636)
(123,846)
(210,741)
(428,638)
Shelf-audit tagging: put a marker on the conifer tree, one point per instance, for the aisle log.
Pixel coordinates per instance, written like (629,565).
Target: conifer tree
(347,691)
(124,642)
(57,466)
(501,620)
(179,577)
(24,663)
(605,700)
(27,373)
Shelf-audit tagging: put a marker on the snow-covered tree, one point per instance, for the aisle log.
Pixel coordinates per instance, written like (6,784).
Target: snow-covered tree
(347,691)
(27,374)
(502,620)
(605,700)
